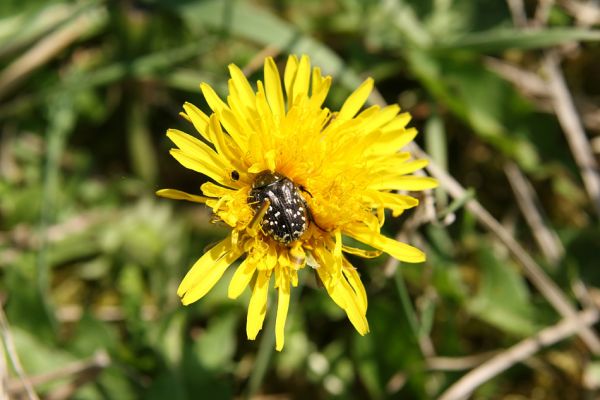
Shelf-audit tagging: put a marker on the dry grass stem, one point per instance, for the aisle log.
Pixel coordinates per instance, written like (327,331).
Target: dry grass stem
(532,86)
(13,357)
(518,353)
(546,238)
(458,363)
(542,12)
(517,12)
(43,51)
(585,13)
(75,371)
(575,134)
(532,270)
(529,83)
(257,61)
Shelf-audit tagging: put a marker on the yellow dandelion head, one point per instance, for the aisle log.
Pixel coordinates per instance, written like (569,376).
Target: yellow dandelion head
(291,178)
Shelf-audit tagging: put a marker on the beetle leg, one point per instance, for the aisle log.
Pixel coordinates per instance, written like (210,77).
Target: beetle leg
(305,190)
(254,225)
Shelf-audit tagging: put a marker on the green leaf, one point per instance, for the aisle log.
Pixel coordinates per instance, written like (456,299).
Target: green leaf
(503,298)
(170,339)
(37,356)
(216,345)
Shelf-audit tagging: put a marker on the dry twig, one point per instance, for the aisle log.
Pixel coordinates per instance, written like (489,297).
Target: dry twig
(517,11)
(82,371)
(13,357)
(571,124)
(259,58)
(542,12)
(585,13)
(547,240)
(458,363)
(534,272)
(44,50)
(519,352)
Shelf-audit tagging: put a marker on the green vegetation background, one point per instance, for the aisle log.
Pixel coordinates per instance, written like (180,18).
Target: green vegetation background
(90,259)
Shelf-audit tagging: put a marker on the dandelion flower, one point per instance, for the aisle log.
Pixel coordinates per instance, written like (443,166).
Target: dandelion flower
(291,179)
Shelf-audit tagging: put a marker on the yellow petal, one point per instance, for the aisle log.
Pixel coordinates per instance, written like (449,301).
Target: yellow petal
(212,190)
(289,75)
(241,84)
(205,273)
(238,130)
(240,279)
(302,79)
(198,150)
(191,145)
(283,302)
(390,142)
(214,101)
(362,252)
(210,279)
(258,304)
(266,121)
(355,282)
(185,116)
(343,295)
(395,202)
(356,100)
(319,95)
(179,195)
(273,88)
(316,81)
(224,145)
(337,252)
(400,251)
(197,118)
(404,182)
(297,255)
(409,167)
(269,259)
(398,123)
(270,160)
(208,259)
(216,172)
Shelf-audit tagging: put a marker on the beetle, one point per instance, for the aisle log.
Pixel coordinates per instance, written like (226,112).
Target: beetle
(286,217)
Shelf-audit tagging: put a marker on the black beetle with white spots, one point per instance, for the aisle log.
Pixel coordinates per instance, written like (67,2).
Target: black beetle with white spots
(286,219)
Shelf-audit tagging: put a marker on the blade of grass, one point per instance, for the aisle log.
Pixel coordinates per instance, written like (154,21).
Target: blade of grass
(62,119)
(436,146)
(142,67)
(407,306)
(457,204)
(503,39)
(50,46)
(13,356)
(574,132)
(263,358)
(20,30)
